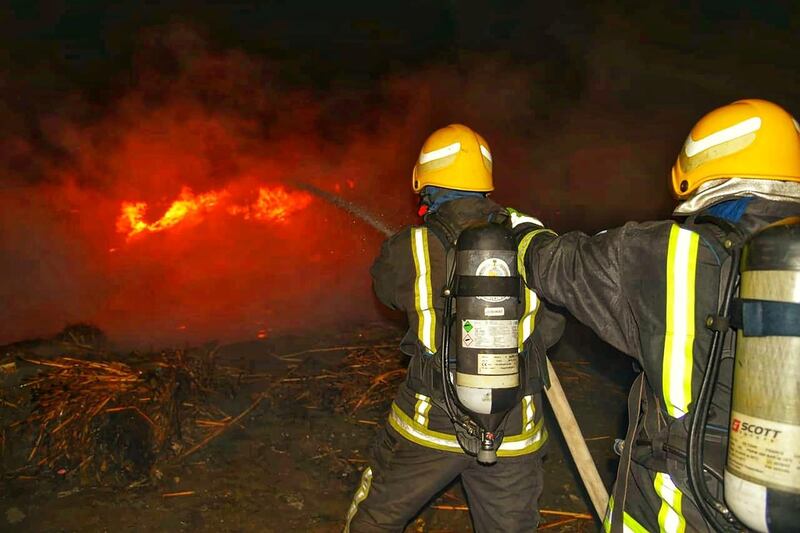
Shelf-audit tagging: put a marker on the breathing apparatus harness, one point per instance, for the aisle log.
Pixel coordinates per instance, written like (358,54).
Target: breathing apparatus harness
(758,301)
(468,431)
(713,510)
(473,437)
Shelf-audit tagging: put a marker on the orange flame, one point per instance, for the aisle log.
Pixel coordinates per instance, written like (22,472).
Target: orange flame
(277,204)
(130,220)
(272,204)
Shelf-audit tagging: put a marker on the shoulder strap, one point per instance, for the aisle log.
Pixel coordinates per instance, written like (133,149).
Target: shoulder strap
(734,234)
(448,234)
(620,492)
(443,230)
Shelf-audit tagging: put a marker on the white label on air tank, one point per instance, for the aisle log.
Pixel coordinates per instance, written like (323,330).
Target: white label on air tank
(489,334)
(765,451)
(494,311)
(498,363)
(493,267)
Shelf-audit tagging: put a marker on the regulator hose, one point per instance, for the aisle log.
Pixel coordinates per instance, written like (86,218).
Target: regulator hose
(714,511)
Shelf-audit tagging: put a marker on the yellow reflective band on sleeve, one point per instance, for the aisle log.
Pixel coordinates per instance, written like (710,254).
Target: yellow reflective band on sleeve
(361,494)
(423,295)
(421,409)
(527,322)
(670,519)
(680,316)
(522,249)
(512,446)
(629,524)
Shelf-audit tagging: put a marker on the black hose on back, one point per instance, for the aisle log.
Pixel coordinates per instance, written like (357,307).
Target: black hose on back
(450,408)
(714,511)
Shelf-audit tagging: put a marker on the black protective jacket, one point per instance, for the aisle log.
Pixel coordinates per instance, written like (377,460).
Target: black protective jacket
(647,289)
(409,275)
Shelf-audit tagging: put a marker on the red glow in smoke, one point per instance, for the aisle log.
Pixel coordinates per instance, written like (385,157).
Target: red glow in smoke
(174,219)
(159,239)
(273,204)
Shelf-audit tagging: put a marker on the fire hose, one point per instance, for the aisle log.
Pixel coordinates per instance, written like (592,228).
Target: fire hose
(586,466)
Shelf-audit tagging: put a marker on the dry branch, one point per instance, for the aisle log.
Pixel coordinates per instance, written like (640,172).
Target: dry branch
(114,420)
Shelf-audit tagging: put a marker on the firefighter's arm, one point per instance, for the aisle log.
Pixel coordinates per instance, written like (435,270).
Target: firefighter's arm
(584,275)
(385,272)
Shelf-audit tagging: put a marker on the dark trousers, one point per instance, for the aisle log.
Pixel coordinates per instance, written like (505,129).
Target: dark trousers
(402,476)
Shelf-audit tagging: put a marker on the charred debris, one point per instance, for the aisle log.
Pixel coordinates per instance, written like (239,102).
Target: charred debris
(73,411)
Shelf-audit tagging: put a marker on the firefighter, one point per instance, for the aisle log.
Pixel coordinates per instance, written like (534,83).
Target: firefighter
(653,291)
(418,453)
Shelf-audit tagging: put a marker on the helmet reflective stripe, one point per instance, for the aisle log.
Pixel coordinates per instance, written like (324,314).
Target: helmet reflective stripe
(692,147)
(361,494)
(753,139)
(486,154)
(670,517)
(426,157)
(679,334)
(423,295)
(421,409)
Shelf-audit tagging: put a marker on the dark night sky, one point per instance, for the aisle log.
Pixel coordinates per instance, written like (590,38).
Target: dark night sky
(90,45)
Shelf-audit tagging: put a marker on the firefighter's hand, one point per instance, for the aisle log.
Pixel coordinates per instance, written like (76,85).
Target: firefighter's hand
(522,224)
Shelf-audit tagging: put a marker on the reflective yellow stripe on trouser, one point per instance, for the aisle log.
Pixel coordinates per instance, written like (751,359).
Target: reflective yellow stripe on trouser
(629,524)
(361,494)
(679,334)
(512,446)
(423,295)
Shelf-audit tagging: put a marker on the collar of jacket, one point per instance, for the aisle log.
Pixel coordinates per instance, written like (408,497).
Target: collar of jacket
(716,191)
(761,212)
(464,212)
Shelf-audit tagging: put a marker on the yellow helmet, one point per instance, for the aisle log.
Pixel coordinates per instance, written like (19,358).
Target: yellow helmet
(746,139)
(454,157)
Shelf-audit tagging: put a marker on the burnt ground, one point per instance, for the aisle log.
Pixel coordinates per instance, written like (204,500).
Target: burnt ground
(294,462)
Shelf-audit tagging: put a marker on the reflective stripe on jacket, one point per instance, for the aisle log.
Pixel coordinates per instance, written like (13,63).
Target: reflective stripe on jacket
(647,290)
(409,275)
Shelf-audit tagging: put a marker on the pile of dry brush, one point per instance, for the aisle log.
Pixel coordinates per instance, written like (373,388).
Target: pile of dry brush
(365,378)
(98,418)
(108,421)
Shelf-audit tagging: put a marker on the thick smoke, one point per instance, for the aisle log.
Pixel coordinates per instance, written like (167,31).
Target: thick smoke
(225,120)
